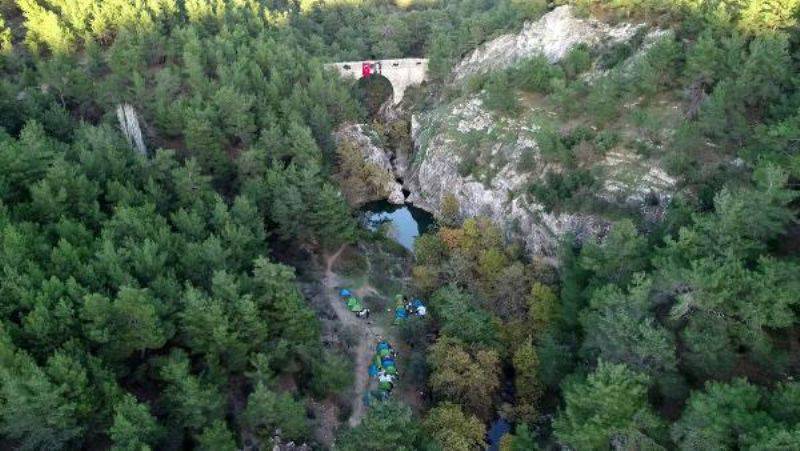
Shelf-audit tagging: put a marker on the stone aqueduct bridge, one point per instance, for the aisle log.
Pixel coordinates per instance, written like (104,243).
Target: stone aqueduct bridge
(401,73)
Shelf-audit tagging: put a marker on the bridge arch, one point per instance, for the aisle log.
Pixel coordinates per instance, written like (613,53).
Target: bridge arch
(401,73)
(373,92)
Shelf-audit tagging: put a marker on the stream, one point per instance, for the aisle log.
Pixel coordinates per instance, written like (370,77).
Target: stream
(403,223)
(497,430)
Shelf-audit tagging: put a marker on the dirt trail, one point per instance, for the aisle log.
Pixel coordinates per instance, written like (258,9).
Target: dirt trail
(366,336)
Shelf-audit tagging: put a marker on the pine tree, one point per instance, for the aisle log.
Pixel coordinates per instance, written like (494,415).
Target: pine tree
(192,402)
(134,427)
(268,411)
(43,408)
(217,437)
(330,218)
(611,403)
(128,324)
(386,422)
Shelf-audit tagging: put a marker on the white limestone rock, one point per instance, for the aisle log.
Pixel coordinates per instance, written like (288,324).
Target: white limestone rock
(553,35)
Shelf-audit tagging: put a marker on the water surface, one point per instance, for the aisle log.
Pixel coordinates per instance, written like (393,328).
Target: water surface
(404,223)
(498,429)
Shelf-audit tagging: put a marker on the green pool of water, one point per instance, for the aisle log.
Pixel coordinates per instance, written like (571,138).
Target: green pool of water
(404,222)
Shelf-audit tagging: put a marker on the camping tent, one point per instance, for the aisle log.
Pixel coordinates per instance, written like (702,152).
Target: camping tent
(400,313)
(354,305)
(382,345)
(387,362)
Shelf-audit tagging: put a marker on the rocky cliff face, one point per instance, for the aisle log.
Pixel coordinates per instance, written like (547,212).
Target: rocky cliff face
(435,174)
(506,160)
(552,36)
(629,180)
(488,162)
(378,163)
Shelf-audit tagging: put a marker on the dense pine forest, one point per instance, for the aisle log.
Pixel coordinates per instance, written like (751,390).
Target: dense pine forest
(164,162)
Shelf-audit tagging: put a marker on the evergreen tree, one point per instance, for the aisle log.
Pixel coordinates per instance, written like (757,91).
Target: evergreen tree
(192,402)
(128,324)
(388,423)
(720,416)
(621,328)
(610,404)
(44,407)
(217,437)
(268,412)
(134,427)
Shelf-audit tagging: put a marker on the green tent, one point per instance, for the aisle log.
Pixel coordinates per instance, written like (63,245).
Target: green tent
(354,305)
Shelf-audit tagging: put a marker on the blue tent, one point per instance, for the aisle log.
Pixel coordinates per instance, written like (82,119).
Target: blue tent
(400,313)
(345,293)
(387,361)
(417,304)
(382,345)
(372,371)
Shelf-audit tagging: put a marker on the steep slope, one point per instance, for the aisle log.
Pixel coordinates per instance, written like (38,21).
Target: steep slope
(491,162)
(552,36)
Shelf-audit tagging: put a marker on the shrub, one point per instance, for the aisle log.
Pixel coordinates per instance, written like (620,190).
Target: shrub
(604,99)
(530,9)
(577,61)
(577,135)
(429,248)
(499,94)
(552,146)
(527,161)
(559,188)
(331,375)
(568,97)
(536,75)
(469,162)
(475,83)
(606,140)
(450,211)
